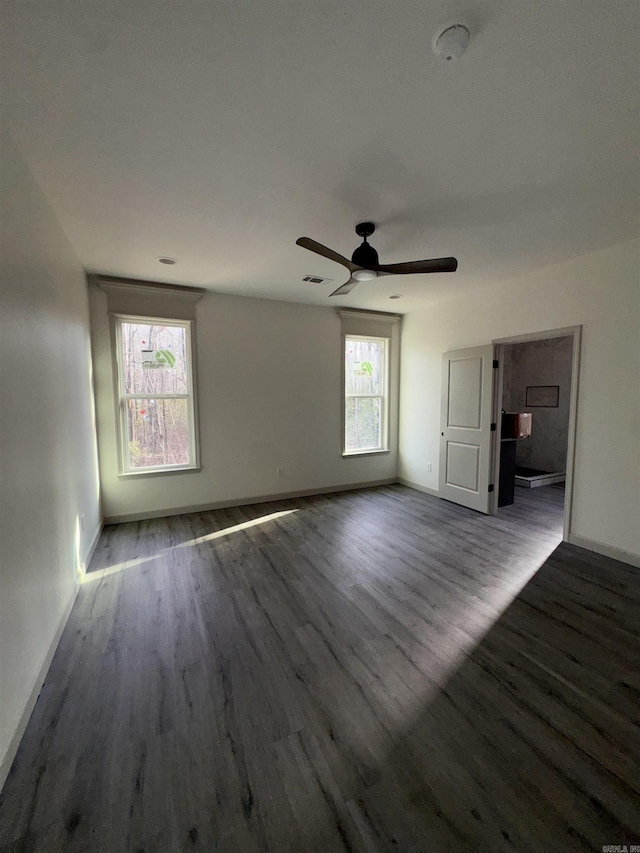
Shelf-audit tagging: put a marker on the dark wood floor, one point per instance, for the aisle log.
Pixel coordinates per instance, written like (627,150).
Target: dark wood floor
(366,671)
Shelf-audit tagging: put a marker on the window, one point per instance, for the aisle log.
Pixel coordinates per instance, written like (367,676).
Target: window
(156,399)
(365,388)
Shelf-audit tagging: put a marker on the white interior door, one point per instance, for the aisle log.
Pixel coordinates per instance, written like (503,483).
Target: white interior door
(465,427)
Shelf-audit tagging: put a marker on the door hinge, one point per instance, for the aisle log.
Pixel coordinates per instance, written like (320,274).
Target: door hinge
(490,487)
(493,427)
(496,363)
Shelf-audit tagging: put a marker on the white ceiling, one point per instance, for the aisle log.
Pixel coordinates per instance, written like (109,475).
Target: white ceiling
(219,132)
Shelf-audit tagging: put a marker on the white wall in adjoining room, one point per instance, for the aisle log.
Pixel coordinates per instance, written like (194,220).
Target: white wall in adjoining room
(601,292)
(47,441)
(270,396)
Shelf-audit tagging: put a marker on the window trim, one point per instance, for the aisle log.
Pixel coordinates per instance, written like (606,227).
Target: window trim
(384,397)
(120,396)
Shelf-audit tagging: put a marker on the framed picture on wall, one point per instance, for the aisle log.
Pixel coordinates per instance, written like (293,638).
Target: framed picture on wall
(542,396)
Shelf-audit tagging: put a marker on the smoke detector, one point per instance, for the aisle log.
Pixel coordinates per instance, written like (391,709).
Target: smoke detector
(451,42)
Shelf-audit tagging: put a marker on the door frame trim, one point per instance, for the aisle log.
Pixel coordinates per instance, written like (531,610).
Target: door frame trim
(569,331)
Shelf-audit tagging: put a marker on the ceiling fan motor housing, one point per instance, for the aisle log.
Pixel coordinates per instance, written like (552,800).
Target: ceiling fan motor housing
(365,255)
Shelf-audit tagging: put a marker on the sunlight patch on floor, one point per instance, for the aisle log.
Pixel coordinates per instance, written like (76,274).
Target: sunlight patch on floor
(245,525)
(120,567)
(98,574)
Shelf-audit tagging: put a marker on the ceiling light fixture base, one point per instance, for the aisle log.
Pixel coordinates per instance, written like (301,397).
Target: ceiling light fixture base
(365,229)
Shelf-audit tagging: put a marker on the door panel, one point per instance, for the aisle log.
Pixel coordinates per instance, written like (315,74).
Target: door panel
(462,465)
(465,425)
(465,393)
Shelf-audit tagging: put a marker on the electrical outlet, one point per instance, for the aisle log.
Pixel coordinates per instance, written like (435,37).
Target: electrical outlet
(429,468)
(279,472)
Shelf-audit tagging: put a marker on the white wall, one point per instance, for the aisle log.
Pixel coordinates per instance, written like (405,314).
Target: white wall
(47,440)
(270,395)
(600,291)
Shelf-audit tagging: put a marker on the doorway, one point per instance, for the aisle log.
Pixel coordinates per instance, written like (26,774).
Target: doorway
(537,378)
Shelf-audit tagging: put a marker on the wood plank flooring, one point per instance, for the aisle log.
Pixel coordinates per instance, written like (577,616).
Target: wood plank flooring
(365,671)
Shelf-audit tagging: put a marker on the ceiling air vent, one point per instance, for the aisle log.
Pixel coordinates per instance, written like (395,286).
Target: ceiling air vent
(316,279)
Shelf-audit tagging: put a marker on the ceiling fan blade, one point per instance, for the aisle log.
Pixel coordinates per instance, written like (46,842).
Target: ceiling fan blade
(432,265)
(319,249)
(347,287)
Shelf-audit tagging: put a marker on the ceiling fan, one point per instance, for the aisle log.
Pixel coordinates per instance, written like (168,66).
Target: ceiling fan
(364,265)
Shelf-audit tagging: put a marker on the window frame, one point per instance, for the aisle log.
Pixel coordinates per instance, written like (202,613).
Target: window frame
(121,397)
(383,396)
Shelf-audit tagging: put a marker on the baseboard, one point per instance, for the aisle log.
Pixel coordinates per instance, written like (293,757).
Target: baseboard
(261,499)
(14,743)
(606,550)
(433,492)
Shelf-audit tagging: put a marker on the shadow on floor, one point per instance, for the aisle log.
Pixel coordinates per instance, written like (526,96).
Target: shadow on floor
(530,744)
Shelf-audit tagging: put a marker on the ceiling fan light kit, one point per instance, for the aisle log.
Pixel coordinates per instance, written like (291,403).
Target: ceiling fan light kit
(364,264)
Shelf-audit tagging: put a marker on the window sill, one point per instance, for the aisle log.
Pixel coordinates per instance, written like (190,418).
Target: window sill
(348,453)
(160,472)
